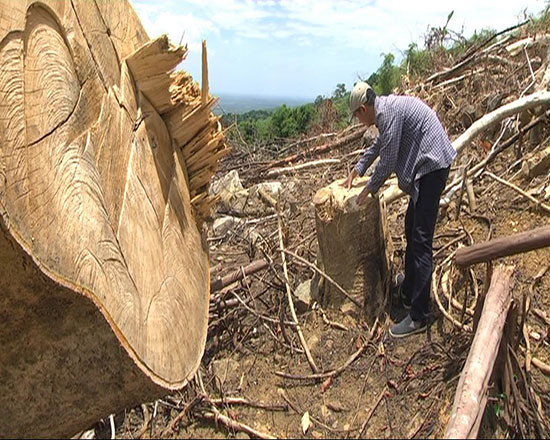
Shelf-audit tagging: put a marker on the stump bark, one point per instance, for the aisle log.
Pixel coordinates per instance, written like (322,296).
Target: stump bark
(105,158)
(352,247)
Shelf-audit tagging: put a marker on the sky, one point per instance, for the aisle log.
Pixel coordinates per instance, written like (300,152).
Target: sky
(303,48)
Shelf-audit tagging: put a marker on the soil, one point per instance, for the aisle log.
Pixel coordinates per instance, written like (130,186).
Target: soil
(404,388)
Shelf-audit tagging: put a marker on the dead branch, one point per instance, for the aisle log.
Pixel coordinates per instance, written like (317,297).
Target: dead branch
(337,371)
(291,302)
(371,412)
(316,163)
(246,402)
(354,136)
(238,274)
(538,203)
(324,275)
(217,417)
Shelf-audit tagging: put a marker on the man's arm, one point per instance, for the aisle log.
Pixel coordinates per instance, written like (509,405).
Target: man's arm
(368,157)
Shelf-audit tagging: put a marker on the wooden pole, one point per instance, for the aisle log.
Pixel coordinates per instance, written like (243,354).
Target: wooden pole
(471,393)
(504,246)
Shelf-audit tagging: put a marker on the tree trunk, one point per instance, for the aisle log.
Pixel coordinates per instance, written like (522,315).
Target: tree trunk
(471,393)
(352,247)
(503,246)
(105,159)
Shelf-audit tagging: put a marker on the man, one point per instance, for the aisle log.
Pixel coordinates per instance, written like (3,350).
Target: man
(413,144)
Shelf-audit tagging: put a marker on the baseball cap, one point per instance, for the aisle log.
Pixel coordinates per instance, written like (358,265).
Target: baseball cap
(358,96)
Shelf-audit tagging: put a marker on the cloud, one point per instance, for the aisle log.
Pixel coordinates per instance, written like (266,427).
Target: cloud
(372,26)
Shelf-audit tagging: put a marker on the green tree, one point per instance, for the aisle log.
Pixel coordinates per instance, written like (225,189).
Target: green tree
(340,91)
(388,75)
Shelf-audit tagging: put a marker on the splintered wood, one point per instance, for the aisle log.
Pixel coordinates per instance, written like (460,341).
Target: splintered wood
(106,155)
(352,247)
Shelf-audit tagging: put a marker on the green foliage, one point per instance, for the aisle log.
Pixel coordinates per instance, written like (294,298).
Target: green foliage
(264,125)
(416,61)
(340,91)
(387,77)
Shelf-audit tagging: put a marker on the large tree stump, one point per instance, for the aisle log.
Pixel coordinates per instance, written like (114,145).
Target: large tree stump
(352,247)
(105,159)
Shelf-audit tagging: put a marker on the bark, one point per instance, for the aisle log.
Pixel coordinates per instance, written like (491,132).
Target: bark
(471,393)
(503,246)
(104,279)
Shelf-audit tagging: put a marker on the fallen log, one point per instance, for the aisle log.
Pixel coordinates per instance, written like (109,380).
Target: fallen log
(503,246)
(104,280)
(471,393)
(237,275)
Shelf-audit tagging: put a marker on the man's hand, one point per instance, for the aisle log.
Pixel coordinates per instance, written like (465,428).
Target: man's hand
(349,180)
(362,197)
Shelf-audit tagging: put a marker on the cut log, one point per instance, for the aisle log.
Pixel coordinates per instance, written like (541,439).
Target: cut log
(104,277)
(352,247)
(503,246)
(471,393)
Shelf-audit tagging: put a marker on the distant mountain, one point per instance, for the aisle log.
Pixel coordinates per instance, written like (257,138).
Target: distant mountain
(243,104)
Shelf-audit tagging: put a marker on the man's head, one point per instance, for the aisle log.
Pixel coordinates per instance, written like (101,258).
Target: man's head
(361,103)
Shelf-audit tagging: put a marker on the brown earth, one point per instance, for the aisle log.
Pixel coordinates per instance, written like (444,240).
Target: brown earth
(406,386)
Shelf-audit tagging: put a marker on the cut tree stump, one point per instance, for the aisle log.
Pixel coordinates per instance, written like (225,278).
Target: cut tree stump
(471,392)
(352,247)
(105,160)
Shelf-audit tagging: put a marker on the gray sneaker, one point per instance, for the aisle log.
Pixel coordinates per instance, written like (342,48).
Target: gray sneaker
(407,327)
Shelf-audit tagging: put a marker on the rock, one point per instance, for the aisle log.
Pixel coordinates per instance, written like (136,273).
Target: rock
(243,435)
(336,406)
(224,224)
(271,188)
(227,370)
(303,297)
(227,185)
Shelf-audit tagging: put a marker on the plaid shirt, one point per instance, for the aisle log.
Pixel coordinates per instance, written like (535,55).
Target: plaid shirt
(411,141)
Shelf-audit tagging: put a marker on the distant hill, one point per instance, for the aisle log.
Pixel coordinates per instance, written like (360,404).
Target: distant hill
(243,104)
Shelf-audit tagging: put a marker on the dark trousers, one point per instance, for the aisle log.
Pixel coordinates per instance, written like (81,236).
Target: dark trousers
(419,230)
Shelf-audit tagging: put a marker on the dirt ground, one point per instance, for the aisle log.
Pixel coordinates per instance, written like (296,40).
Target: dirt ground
(405,387)
(402,388)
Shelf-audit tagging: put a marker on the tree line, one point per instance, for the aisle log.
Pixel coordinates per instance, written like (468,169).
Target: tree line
(331,113)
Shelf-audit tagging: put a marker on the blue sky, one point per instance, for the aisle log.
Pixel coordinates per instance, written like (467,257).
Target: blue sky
(303,48)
